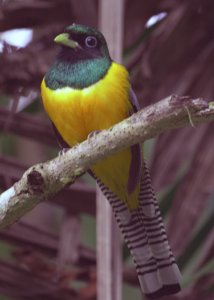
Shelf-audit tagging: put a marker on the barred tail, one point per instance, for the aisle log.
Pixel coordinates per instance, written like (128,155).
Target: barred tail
(146,238)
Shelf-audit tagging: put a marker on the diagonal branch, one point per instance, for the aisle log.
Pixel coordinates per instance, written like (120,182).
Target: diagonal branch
(44,180)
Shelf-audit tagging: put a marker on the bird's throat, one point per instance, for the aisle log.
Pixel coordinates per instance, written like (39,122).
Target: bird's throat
(77,75)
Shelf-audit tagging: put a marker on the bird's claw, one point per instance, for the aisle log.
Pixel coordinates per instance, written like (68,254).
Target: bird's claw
(93,133)
(63,151)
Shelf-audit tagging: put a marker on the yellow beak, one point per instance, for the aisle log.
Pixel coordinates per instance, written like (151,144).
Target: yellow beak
(64,39)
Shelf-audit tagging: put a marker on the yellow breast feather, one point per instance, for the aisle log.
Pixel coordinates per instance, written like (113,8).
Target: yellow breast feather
(76,113)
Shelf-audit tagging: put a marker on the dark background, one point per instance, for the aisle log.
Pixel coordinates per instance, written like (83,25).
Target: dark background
(175,56)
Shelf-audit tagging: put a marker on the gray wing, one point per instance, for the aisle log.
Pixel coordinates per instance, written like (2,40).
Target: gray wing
(136,166)
(62,144)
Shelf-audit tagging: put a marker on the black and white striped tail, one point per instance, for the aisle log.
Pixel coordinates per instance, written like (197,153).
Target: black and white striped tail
(146,238)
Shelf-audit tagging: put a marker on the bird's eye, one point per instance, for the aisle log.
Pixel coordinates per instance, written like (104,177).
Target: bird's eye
(91,42)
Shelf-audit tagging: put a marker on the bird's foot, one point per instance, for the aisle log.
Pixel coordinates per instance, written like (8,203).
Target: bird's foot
(93,133)
(63,151)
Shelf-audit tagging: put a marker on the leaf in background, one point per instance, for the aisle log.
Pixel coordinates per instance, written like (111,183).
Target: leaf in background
(200,234)
(167,196)
(206,270)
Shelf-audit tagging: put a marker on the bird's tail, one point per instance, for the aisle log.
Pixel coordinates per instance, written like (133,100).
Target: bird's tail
(146,238)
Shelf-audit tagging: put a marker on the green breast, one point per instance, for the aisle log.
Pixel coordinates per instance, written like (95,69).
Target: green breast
(79,75)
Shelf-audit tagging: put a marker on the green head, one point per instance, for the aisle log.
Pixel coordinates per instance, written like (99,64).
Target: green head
(83,58)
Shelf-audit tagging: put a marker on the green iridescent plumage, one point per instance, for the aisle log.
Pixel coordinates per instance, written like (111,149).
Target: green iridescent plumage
(83,69)
(78,75)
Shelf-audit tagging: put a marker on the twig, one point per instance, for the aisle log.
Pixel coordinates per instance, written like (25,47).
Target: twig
(189,115)
(44,180)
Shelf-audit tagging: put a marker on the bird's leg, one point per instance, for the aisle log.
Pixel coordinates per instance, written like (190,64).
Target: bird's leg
(63,151)
(92,134)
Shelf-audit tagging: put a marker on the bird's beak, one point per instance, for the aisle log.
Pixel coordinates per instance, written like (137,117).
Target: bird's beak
(64,39)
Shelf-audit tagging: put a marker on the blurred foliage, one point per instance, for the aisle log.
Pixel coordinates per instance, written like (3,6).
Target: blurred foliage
(172,56)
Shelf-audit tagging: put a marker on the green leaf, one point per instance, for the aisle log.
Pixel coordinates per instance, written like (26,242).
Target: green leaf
(167,195)
(205,225)
(205,270)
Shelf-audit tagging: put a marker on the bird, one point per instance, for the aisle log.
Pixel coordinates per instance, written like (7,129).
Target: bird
(84,92)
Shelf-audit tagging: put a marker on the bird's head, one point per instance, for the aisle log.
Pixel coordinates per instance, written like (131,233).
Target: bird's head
(81,42)
(83,59)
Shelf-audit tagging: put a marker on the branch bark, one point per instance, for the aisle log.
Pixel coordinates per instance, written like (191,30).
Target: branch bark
(44,180)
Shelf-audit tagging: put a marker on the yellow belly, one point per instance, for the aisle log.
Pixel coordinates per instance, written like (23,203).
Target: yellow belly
(76,113)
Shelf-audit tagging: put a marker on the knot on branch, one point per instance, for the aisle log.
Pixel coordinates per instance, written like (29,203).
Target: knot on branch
(193,104)
(35,182)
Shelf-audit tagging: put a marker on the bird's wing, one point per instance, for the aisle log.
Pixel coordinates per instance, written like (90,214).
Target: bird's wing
(62,144)
(134,101)
(144,233)
(136,167)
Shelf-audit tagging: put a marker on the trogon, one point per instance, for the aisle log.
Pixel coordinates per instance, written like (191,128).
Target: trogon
(83,92)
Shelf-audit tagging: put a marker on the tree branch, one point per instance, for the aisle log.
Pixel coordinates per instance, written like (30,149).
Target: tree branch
(44,180)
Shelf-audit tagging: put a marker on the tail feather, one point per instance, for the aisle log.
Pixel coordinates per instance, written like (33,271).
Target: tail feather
(166,265)
(145,235)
